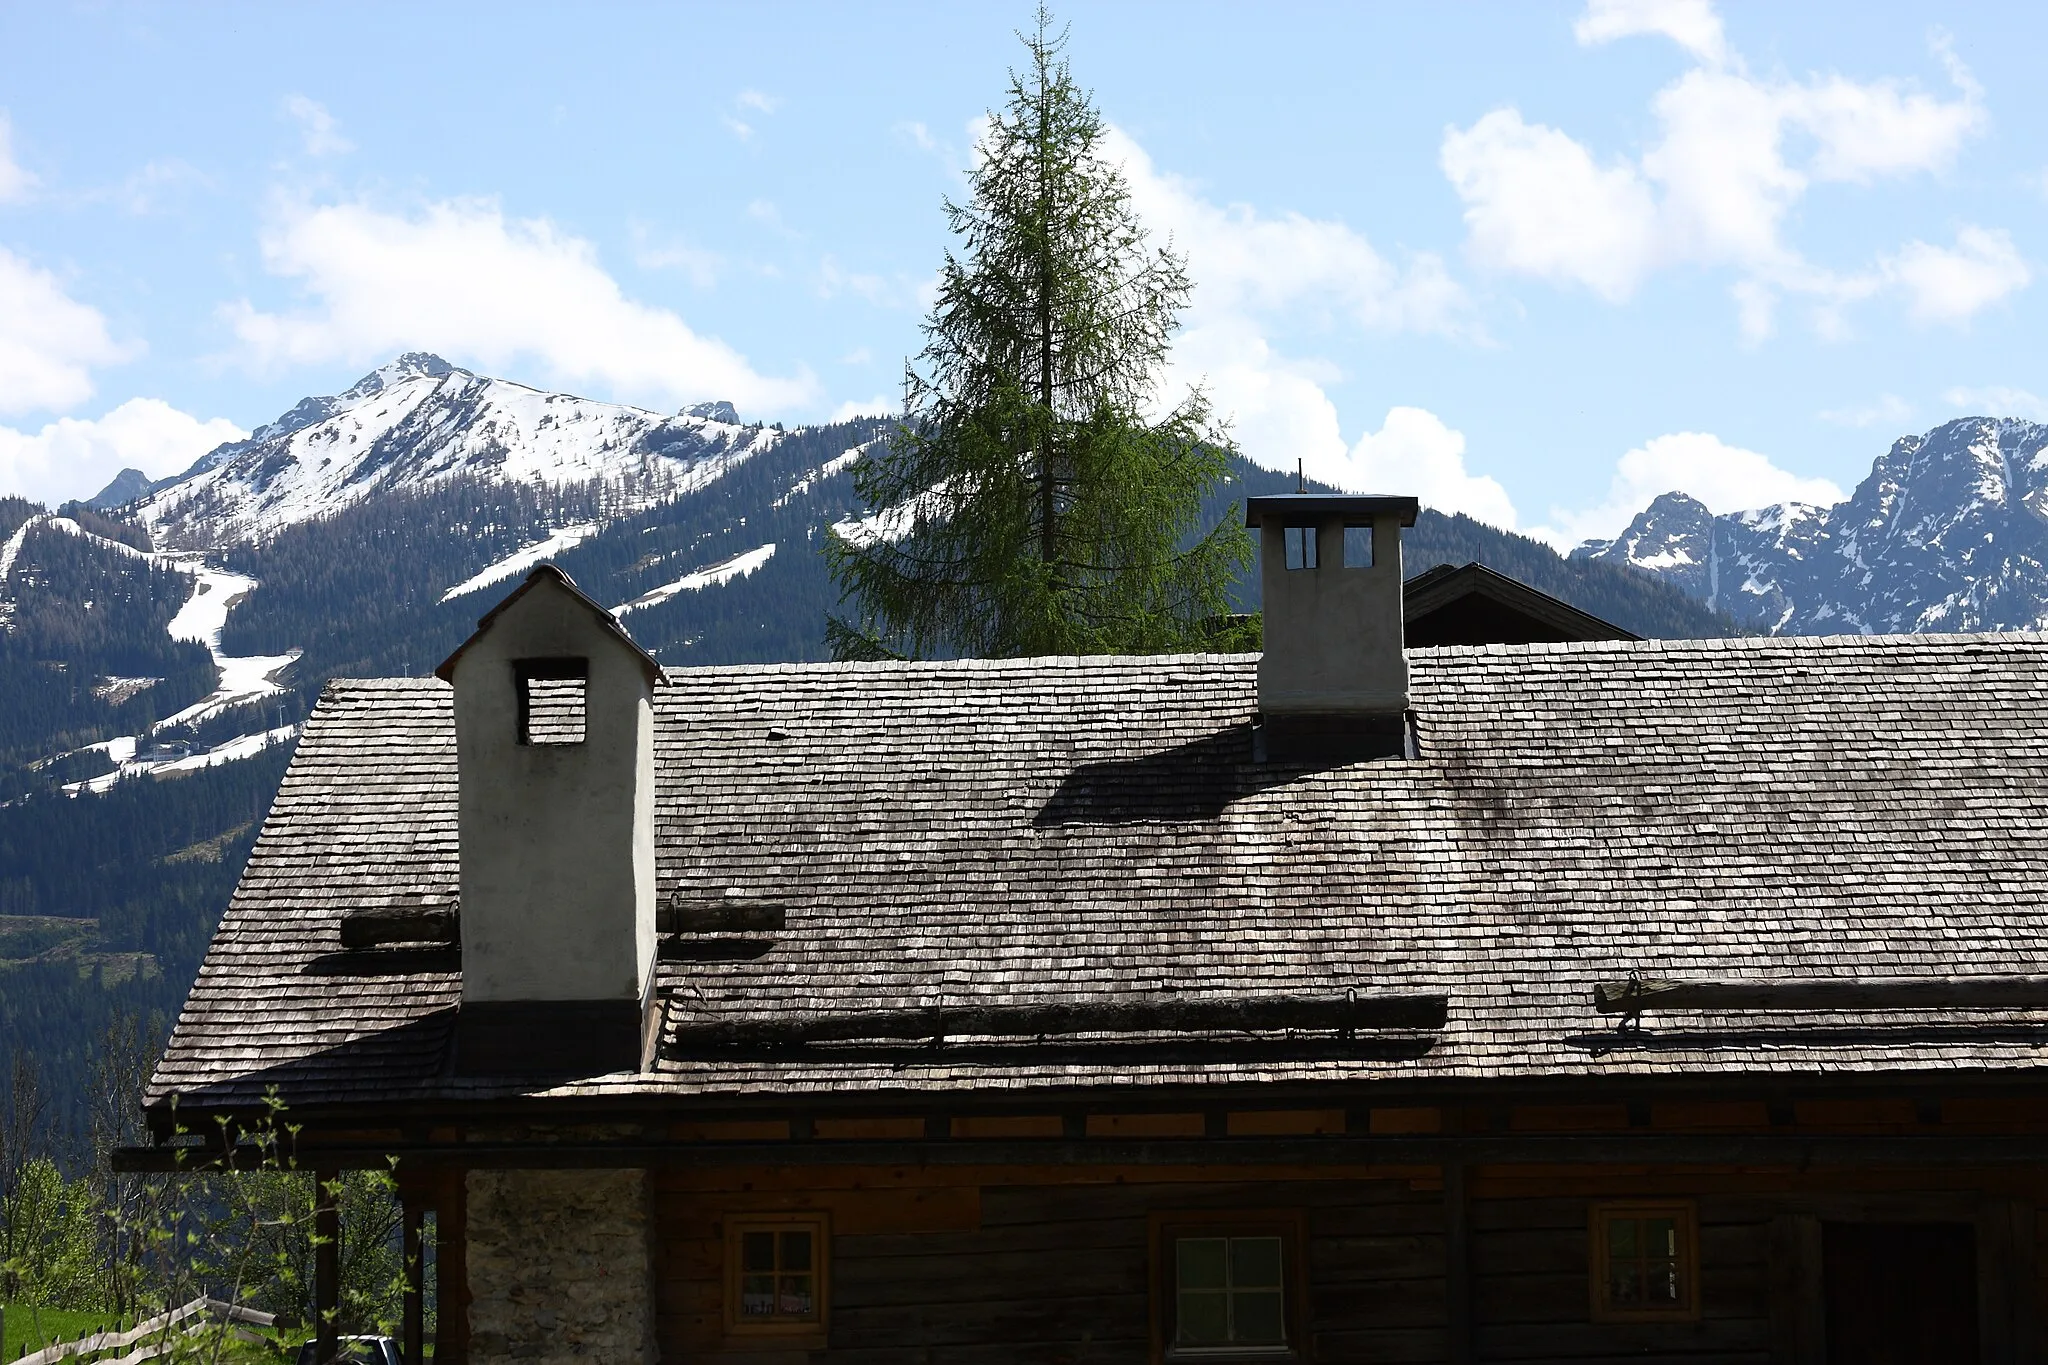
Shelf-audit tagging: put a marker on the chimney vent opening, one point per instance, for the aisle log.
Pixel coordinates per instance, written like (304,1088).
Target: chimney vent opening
(552,697)
(1358,547)
(1301,547)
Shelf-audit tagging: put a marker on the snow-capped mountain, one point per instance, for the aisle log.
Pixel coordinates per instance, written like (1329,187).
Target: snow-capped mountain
(419,421)
(1948,532)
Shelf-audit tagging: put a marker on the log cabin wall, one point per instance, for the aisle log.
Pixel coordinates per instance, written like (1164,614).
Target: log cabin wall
(1056,1266)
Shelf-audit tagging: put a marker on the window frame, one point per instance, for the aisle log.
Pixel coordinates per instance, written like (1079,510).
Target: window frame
(819,1225)
(550,669)
(1685,1213)
(1166,1227)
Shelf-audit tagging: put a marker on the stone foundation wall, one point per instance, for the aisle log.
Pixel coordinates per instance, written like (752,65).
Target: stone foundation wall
(559,1269)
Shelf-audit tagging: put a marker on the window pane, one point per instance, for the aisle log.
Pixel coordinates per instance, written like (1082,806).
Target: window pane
(1301,547)
(757,1296)
(1621,1237)
(1625,1284)
(1255,1262)
(1358,547)
(757,1251)
(795,1298)
(1662,1285)
(1201,1262)
(1256,1318)
(796,1251)
(1660,1237)
(1204,1318)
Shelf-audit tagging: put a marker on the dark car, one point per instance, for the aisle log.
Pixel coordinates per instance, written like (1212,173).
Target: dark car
(355,1351)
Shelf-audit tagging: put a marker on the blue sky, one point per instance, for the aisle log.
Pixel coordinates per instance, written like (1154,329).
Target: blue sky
(1537,262)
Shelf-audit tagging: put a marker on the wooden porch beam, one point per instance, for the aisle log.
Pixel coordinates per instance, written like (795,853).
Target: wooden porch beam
(1776,1148)
(326,1262)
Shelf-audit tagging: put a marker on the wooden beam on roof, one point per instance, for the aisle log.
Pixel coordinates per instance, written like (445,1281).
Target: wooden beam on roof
(1824,993)
(1242,1013)
(373,928)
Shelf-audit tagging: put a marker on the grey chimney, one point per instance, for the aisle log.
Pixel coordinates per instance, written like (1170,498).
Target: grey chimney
(1333,681)
(554,740)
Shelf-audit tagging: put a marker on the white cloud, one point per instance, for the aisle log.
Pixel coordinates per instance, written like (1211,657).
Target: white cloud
(696,264)
(461,278)
(764,212)
(1692,24)
(1888,410)
(1414,452)
(1731,156)
(49,342)
(318,130)
(1996,400)
(145,191)
(881,405)
(1537,203)
(1247,262)
(1944,285)
(754,100)
(16,184)
(1726,478)
(74,458)
(1257,274)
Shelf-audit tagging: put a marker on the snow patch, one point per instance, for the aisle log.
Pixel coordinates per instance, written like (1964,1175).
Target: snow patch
(739,566)
(242,746)
(825,471)
(519,561)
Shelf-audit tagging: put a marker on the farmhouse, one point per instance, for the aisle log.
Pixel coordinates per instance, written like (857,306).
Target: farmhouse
(1579,1001)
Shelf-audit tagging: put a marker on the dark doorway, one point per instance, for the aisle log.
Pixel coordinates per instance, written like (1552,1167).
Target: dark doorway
(1901,1293)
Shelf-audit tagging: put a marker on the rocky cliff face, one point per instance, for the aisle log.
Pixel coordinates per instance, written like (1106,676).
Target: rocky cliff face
(1949,532)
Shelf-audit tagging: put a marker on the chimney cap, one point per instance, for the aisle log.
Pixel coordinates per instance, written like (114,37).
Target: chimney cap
(1309,509)
(548,573)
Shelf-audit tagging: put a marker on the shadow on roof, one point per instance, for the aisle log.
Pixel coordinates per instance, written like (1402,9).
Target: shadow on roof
(385,962)
(385,1064)
(1189,782)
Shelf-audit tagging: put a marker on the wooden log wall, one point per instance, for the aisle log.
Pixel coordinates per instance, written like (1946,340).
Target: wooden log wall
(1052,1266)
(1053,1274)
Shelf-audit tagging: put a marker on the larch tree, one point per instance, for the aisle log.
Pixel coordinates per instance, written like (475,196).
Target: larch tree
(1041,495)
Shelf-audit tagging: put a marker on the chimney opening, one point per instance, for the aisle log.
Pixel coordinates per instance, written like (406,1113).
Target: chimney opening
(1301,547)
(551,699)
(1358,547)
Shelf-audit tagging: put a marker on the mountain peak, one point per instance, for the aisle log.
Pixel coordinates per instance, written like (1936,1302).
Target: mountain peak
(126,487)
(411,365)
(720,411)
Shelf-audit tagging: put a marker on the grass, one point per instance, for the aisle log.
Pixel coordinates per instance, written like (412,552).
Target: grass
(57,1324)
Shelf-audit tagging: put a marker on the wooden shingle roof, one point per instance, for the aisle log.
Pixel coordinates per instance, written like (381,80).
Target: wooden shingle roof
(1097,829)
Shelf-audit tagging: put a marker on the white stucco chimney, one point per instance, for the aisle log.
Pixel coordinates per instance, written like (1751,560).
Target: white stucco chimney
(1333,681)
(554,739)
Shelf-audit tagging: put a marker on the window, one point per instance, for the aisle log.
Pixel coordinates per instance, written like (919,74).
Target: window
(775,1275)
(1358,547)
(1645,1263)
(1227,1286)
(1301,547)
(551,699)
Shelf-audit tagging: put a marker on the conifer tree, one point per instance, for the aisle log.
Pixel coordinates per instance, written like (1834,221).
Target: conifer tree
(1045,502)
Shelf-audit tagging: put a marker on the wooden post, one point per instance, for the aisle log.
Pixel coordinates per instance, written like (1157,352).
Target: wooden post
(451,1271)
(326,1264)
(415,1270)
(1458,1263)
